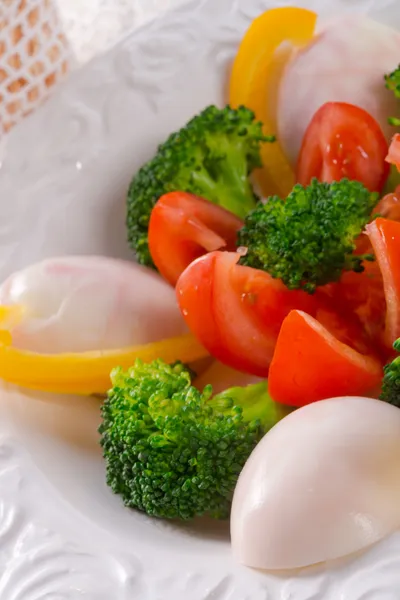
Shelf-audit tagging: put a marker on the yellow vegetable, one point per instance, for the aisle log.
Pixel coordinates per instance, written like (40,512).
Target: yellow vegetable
(87,372)
(254,82)
(11,315)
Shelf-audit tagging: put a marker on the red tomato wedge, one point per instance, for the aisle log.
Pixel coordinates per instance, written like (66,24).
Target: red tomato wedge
(363,293)
(393,155)
(388,207)
(361,296)
(235,311)
(310,364)
(385,239)
(343,141)
(183,227)
(344,325)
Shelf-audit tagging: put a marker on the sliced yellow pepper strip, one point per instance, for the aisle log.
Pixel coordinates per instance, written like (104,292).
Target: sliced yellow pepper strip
(254,82)
(86,372)
(11,315)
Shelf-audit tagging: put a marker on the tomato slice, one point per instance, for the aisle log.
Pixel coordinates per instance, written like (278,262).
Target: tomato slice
(195,288)
(236,311)
(360,296)
(393,155)
(388,207)
(344,325)
(183,227)
(311,364)
(363,293)
(343,141)
(385,239)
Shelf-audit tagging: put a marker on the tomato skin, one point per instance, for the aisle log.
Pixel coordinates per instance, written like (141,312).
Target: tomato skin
(393,155)
(388,207)
(183,227)
(343,141)
(195,287)
(361,297)
(363,294)
(310,364)
(238,314)
(373,296)
(344,325)
(235,311)
(384,235)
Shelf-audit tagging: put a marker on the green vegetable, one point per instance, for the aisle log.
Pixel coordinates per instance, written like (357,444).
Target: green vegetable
(308,239)
(393,84)
(391,379)
(212,156)
(173,451)
(392,181)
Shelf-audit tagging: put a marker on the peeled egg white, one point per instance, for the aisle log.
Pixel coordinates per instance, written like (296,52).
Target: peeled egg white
(345,62)
(322,484)
(81,303)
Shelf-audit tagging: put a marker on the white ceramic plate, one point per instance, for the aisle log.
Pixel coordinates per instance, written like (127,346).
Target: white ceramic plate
(63,535)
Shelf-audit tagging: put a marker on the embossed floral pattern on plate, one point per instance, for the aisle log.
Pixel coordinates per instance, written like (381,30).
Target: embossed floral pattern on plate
(64,173)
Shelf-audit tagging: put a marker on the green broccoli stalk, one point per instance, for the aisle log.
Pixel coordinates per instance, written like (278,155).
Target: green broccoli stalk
(173,451)
(392,81)
(391,379)
(212,156)
(308,239)
(392,181)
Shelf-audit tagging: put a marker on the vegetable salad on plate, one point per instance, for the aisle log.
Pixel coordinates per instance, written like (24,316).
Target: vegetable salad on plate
(247,359)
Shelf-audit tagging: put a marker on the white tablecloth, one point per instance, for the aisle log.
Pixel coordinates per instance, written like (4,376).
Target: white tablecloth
(42,40)
(92,25)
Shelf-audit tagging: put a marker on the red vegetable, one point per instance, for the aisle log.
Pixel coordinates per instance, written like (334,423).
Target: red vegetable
(236,312)
(343,141)
(311,364)
(393,156)
(183,227)
(388,207)
(385,238)
(361,296)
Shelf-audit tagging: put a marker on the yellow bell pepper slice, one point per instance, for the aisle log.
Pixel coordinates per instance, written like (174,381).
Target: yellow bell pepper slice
(11,315)
(254,82)
(87,372)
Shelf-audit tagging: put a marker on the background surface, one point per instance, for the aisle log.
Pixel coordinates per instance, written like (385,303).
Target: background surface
(42,41)
(92,25)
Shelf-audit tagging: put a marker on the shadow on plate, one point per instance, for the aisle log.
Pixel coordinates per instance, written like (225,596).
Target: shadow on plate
(72,420)
(204,527)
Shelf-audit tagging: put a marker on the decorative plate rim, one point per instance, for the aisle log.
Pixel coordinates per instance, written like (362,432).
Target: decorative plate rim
(47,547)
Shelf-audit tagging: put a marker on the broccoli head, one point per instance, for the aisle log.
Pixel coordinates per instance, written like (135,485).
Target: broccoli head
(391,379)
(173,451)
(392,81)
(212,156)
(308,239)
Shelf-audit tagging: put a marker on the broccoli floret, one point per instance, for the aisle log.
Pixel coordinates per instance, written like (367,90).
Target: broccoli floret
(392,81)
(391,379)
(212,156)
(308,239)
(173,451)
